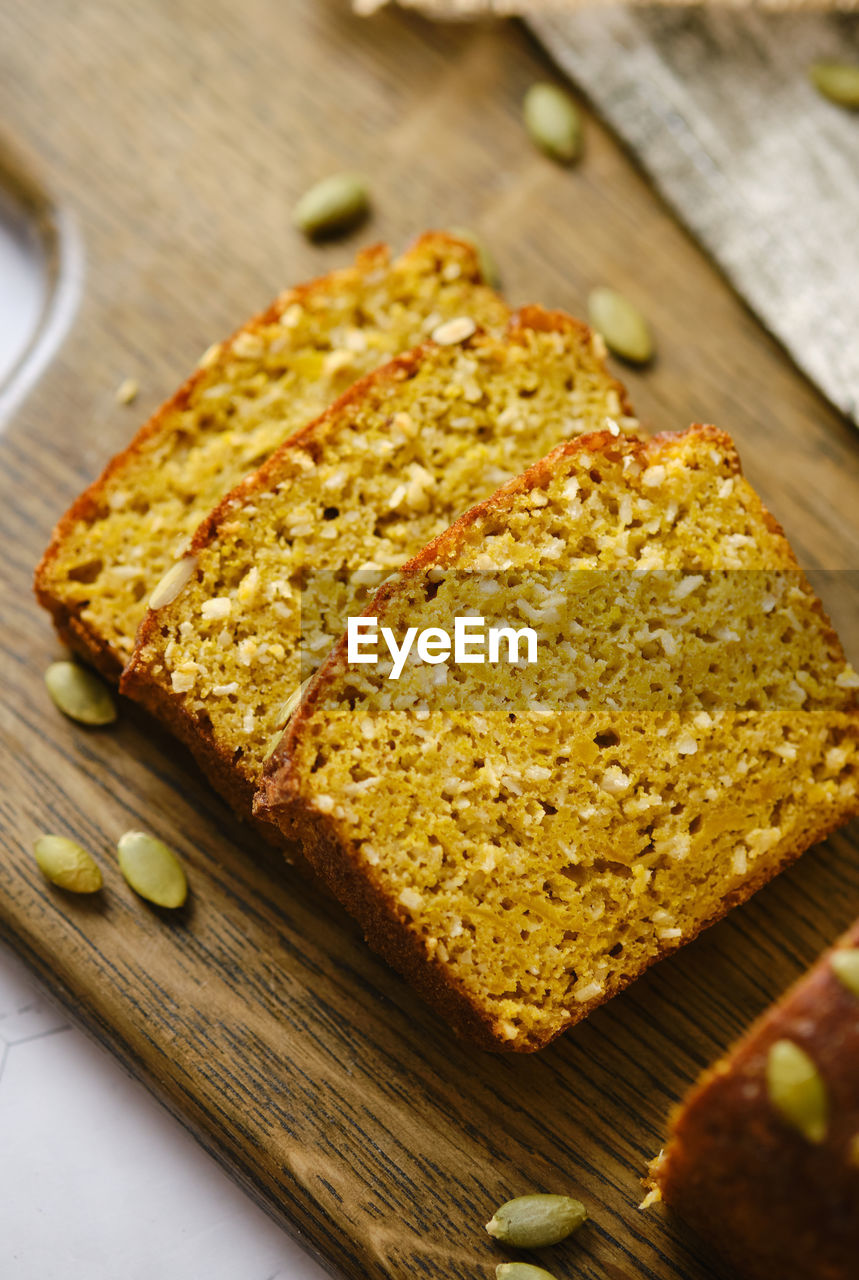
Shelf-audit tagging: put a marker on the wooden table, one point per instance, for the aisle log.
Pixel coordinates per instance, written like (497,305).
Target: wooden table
(177,138)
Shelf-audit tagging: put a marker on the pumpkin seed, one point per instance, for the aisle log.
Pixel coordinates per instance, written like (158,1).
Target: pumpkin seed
(335,204)
(67,864)
(837,81)
(845,966)
(485,261)
(126,392)
(530,1222)
(621,324)
(272,744)
(521,1271)
(796,1089)
(451,332)
(284,715)
(553,122)
(289,707)
(79,694)
(173,583)
(152,869)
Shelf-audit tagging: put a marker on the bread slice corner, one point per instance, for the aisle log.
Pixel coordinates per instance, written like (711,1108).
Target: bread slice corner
(248,394)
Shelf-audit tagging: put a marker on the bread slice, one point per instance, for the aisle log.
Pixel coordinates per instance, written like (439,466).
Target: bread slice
(777,1190)
(249,394)
(383,471)
(522,841)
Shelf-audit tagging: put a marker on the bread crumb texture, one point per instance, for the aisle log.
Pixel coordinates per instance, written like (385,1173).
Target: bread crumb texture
(385,470)
(249,394)
(690,726)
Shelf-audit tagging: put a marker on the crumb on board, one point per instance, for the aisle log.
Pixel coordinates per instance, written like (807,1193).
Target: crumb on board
(652,1197)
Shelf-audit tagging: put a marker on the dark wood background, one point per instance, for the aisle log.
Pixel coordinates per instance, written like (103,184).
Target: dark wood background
(176,138)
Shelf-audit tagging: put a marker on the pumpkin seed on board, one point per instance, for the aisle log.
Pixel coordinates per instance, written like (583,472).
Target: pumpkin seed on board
(332,206)
(67,864)
(79,694)
(553,122)
(837,81)
(521,1271)
(624,328)
(152,869)
(845,966)
(531,1222)
(796,1089)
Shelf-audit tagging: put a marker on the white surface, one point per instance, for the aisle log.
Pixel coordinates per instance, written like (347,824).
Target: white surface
(97,1180)
(36,304)
(23,287)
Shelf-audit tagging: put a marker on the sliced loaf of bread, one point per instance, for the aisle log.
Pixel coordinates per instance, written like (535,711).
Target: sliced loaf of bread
(763,1156)
(250,393)
(273,574)
(523,838)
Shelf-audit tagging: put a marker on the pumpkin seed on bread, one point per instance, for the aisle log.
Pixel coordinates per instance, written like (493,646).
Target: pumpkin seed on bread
(775,1187)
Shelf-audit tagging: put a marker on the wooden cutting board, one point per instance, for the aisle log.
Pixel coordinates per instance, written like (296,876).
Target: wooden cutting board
(177,137)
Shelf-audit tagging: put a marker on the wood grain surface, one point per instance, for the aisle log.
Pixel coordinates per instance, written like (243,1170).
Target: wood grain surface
(178,136)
